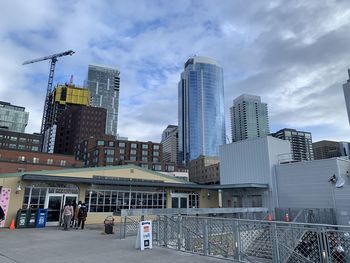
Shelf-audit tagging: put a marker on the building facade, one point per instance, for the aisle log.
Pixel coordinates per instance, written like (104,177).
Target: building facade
(170,144)
(249,118)
(104,84)
(205,170)
(107,151)
(200,109)
(20,141)
(77,123)
(346,89)
(13,118)
(13,161)
(329,149)
(60,98)
(300,141)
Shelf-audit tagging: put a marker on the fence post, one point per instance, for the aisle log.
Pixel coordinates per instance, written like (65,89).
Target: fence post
(158,230)
(179,232)
(165,231)
(125,226)
(275,248)
(205,237)
(236,241)
(322,233)
(121,227)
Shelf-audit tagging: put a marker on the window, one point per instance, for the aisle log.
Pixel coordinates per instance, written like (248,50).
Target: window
(144,153)
(133,146)
(22,139)
(144,146)
(35,148)
(155,153)
(132,151)
(144,165)
(49,161)
(36,141)
(237,201)
(12,146)
(157,167)
(109,152)
(256,200)
(35,160)
(21,147)
(156,147)
(132,158)
(121,151)
(122,144)
(170,168)
(13,138)
(63,162)
(21,158)
(109,160)
(111,144)
(155,160)
(145,159)
(100,143)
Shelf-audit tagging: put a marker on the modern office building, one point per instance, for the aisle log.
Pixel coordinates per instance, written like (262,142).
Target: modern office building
(249,118)
(205,170)
(20,141)
(13,161)
(329,149)
(346,89)
(170,143)
(104,84)
(13,118)
(76,123)
(106,150)
(60,98)
(200,109)
(300,141)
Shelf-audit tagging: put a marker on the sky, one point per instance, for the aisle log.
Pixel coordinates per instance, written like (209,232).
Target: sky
(294,54)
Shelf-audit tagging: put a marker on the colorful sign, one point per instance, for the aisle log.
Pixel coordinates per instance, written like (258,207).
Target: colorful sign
(144,235)
(4,202)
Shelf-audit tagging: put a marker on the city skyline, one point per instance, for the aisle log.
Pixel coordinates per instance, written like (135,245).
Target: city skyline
(297,66)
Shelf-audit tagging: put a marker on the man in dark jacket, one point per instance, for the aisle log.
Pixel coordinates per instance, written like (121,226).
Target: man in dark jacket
(82,214)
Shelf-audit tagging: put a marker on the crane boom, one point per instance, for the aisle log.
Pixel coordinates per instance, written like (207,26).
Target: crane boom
(47,105)
(54,56)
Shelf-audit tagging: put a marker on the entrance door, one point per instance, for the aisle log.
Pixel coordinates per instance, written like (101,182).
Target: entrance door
(179,200)
(70,199)
(54,205)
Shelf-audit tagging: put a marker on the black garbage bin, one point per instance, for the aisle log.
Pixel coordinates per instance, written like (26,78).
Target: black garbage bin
(21,218)
(31,217)
(109,223)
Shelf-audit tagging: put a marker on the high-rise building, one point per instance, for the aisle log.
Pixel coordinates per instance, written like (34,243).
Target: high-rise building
(329,149)
(61,97)
(13,118)
(76,123)
(300,142)
(249,118)
(170,143)
(20,141)
(104,83)
(346,89)
(201,109)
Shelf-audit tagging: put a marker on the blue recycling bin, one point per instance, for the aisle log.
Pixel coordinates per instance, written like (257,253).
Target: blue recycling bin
(41,216)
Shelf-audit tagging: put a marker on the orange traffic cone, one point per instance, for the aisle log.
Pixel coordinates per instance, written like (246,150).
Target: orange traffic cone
(12,226)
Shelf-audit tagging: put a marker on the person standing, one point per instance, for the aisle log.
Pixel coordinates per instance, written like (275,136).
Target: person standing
(67,215)
(82,215)
(76,215)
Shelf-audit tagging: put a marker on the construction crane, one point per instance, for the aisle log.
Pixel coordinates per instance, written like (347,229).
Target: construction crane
(50,81)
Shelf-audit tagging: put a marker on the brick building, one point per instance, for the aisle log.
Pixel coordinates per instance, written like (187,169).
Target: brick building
(12,161)
(204,170)
(76,123)
(106,150)
(20,141)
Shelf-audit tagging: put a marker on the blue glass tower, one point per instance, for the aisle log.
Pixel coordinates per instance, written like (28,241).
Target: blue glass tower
(201,109)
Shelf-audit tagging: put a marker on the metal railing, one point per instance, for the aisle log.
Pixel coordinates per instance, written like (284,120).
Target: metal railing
(253,240)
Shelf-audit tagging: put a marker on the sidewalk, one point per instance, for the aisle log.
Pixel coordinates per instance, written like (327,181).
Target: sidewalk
(51,245)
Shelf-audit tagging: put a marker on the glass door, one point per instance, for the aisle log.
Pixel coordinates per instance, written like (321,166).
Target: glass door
(70,199)
(179,200)
(54,206)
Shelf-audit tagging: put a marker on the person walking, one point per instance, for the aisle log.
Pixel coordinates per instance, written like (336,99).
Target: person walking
(67,215)
(82,215)
(76,215)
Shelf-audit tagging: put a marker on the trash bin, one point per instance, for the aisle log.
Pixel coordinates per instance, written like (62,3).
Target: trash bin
(109,223)
(41,216)
(21,218)
(31,217)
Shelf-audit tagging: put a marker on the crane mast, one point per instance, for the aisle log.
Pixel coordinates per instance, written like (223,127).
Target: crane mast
(53,58)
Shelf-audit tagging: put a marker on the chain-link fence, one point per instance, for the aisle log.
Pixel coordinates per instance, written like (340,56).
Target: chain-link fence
(254,241)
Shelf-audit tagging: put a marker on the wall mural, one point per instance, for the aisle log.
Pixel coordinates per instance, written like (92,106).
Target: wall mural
(4,202)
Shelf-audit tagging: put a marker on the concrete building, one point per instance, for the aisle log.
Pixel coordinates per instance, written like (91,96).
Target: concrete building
(106,150)
(104,84)
(201,109)
(170,144)
(346,89)
(20,141)
(329,149)
(60,98)
(249,118)
(77,123)
(13,118)
(13,161)
(204,170)
(300,141)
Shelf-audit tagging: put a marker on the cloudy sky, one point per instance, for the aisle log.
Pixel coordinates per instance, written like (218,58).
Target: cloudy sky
(294,54)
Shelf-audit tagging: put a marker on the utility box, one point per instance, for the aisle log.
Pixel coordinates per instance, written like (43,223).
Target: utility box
(31,217)
(21,218)
(41,217)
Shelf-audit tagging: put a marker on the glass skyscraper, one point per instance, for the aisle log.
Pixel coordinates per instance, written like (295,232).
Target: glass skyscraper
(201,109)
(103,83)
(13,118)
(249,118)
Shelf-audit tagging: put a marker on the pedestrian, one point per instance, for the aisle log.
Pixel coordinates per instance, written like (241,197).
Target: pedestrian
(67,215)
(71,223)
(2,214)
(76,215)
(82,215)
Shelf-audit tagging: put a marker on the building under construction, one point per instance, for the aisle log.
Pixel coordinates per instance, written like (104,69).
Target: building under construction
(59,99)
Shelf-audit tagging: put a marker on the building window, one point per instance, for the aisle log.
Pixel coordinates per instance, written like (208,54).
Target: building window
(133,146)
(132,158)
(144,146)
(122,144)
(100,143)
(121,151)
(35,160)
(144,153)
(256,200)
(35,148)
(170,168)
(155,160)
(155,153)
(12,146)
(36,141)
(144,165)
(111,144)
(156,147)
(122,157)
(145,159)
(21,147)
(13,138)
(109,160)
(237,201)
(21,158)
(22,139)
(49,161)
(132,151)
(109,152)
(63,162)
(157,167)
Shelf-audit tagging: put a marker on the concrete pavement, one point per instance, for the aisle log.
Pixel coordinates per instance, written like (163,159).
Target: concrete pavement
(51,245)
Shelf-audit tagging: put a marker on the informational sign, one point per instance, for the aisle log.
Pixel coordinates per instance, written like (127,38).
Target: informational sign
(144,235)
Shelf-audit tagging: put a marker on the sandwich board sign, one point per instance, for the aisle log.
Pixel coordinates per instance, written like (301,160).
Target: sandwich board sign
(144,235)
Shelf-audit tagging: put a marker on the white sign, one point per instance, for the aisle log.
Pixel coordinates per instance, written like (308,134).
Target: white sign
(144,235)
